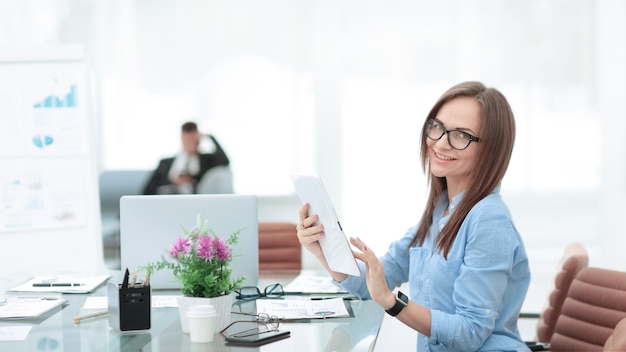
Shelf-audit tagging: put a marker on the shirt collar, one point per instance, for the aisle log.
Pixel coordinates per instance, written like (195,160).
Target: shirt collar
(456,199)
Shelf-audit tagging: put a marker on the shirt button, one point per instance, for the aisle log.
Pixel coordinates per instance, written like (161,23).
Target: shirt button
(452,206)
(487,311)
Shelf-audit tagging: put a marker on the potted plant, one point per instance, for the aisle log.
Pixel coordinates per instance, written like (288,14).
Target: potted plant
(200,261)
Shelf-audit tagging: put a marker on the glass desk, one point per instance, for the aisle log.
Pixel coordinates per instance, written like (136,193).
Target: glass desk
(56,330)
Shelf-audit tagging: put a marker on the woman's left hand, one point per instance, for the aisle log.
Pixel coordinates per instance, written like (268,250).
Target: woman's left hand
(375,274)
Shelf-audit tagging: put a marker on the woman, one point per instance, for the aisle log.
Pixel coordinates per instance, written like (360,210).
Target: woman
(465,262)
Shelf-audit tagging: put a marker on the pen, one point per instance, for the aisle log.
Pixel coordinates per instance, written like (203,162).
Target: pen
(146,280)
(132,281)
(125,282)
(345,298)
(56,284)
(78,318)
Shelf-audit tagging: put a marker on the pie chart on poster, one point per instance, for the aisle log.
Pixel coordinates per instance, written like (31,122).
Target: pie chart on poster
(42,141)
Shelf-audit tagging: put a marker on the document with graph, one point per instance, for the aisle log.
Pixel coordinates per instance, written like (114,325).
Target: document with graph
(294,309)
(27,307)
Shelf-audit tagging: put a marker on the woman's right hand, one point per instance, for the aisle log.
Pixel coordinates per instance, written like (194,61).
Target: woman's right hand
(309,233)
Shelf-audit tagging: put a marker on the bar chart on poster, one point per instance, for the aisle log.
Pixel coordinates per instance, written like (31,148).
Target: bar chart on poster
(48,178)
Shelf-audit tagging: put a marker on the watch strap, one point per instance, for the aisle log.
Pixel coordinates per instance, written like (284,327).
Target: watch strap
(401,301)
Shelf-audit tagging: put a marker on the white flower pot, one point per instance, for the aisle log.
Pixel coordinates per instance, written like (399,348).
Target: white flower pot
(222,306)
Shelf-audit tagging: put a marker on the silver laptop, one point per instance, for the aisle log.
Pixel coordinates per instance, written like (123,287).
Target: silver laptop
(149,225)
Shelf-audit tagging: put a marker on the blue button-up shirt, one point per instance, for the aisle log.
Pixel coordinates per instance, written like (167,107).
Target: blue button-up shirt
(475,295)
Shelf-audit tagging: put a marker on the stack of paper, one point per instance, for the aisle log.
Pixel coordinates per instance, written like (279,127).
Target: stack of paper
(290,309)
(307,284)
(62,284)
(26,307)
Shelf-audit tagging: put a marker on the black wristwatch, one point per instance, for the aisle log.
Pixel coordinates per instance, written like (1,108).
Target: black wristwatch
(401,301)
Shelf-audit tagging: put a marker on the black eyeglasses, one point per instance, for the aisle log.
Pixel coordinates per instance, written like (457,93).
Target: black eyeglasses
(252,292)
(457,139)
(270,323)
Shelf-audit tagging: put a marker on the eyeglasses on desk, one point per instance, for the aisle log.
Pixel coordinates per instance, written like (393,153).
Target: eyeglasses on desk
(248,293)
(270,323)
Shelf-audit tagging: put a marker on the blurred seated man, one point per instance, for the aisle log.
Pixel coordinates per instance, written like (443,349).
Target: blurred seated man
(181,174)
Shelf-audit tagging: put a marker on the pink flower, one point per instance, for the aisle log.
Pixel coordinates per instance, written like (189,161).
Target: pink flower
(221,249)
(205,247)
(181,246)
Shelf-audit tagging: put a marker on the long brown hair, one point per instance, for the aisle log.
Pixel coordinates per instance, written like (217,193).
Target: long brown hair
(497,139)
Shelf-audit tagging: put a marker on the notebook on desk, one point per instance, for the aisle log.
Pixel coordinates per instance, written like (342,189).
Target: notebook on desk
(149,225)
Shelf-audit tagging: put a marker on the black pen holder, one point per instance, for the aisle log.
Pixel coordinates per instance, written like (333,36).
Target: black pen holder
(129,308)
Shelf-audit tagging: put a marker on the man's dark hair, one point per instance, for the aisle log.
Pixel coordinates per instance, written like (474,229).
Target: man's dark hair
(189,127)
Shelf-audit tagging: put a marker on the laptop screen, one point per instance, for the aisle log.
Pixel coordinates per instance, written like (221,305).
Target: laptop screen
(150,224)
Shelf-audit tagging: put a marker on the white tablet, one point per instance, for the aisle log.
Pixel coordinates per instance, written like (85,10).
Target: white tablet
(334,244)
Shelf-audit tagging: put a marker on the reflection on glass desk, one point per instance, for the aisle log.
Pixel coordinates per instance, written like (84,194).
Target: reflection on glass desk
(56,330)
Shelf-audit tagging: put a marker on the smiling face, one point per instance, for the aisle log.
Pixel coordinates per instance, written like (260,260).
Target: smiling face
(461,113)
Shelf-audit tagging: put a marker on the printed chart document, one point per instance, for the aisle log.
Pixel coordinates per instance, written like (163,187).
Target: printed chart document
(62,284)
(313,284)
(25,307)
(291,309)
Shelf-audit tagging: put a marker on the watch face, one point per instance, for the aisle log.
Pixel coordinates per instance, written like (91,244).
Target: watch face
(403,297)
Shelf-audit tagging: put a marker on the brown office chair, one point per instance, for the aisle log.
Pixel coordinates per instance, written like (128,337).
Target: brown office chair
(279,248)
(574,259)
(595,304)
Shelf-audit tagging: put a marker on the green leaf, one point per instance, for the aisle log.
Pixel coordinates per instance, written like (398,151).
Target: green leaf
(200,277)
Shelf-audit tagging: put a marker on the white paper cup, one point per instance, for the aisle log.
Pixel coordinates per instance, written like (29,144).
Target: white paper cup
(202,321)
